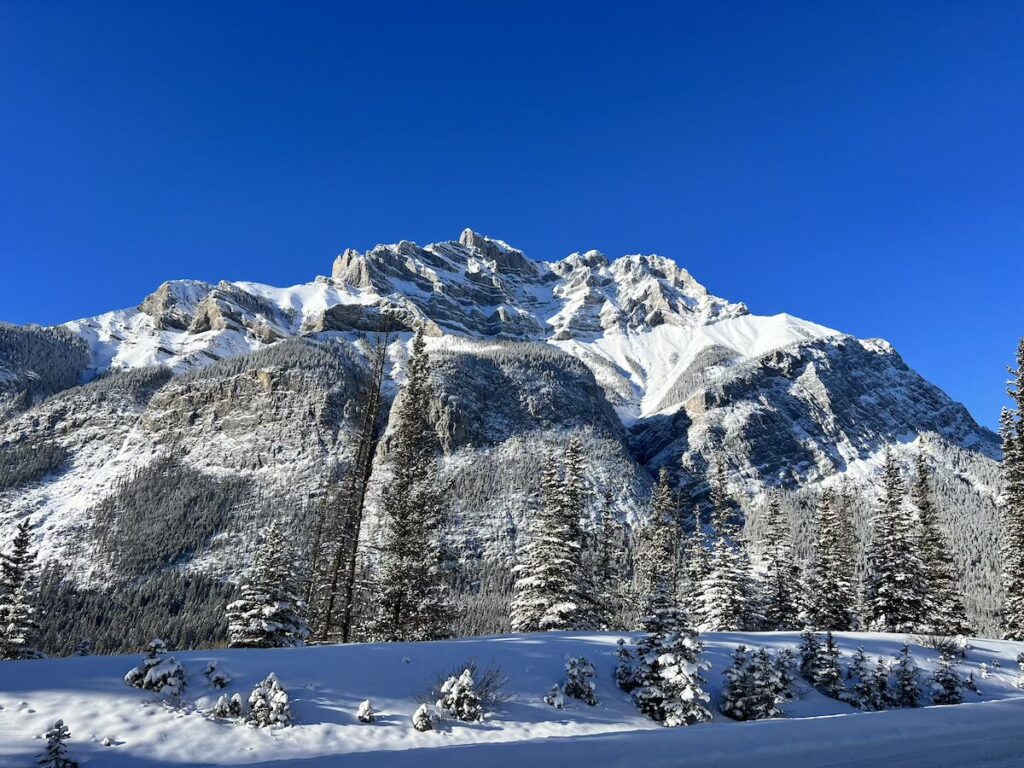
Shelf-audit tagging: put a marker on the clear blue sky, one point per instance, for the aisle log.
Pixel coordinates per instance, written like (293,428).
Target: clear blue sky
(859,164)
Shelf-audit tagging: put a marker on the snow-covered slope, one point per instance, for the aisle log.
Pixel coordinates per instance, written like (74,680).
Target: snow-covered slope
(327,683)
(632,355)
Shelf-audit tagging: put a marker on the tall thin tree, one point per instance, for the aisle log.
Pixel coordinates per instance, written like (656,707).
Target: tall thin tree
(1012,504)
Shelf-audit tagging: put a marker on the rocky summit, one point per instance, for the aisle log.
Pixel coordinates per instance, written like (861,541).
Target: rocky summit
(157,439)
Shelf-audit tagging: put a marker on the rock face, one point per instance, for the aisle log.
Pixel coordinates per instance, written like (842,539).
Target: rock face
(248,393)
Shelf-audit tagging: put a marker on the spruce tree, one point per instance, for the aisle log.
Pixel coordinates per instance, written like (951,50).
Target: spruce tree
(654,561)
(727,591)
(269,613)
(780,573)
(18,590)
(907,679)
(606,562)
(697,564)
(55,754)
(945,614)
(829,590)
(411,600)
(551,591)
(1012,504)
(895,591)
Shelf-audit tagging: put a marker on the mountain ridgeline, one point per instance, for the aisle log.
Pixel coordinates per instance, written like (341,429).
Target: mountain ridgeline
(150,445)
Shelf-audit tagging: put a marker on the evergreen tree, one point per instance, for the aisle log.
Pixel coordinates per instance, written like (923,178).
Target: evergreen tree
(269,704)
(860,690)
(666,684)
(550,592)
(947,685)
(895,591)
(56,753)
(697,565)
(18,590)
(411,600)
(780,575)
(727,590)
(579,680)
(654,560)
(945,614)
(157,672)
(829,590)
(829,677)
(810,653)
(460,698)
(755,686)
(269,613)
(908,680)
(1012,504)
(606,562)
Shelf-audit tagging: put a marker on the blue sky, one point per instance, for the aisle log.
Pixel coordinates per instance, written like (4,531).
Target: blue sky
(858,164)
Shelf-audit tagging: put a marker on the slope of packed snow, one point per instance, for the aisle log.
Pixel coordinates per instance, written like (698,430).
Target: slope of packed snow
(327,684)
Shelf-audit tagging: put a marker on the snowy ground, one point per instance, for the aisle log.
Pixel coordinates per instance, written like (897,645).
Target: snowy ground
(328,683)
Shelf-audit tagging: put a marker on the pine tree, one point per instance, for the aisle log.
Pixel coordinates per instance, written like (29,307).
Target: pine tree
(810,653)
(157,672)
(780,573)
(945,614)
(579,680)
(908,680)
(550,591)
(423,718)
(829,677)
(56,754)
(269,613)
(18,628)
(860,691)
(666,684)
(1012,504)
(269,704)
(895,590)
(460,698)
(606,562)
(755,686)
(411,600)
(697,565)
(829,591)
(947,685)
(727,591)
(653,562)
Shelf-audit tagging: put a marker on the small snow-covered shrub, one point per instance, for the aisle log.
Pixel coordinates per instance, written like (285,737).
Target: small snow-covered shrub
(215,676)
(366,713)
(227,709)
(460,700)
(56,753)
(947,685)
(423,718)
(269,704)
(157,673)
(555,698)
(755,685)
(951,645)
(579,680)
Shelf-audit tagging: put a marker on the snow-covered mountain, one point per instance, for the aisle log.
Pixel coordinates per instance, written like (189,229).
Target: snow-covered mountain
(243,394)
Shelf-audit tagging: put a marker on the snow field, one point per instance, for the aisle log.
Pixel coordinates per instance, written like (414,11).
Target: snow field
(328,683)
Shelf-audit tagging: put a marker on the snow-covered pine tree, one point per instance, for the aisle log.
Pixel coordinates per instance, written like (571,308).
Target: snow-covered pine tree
(157,672)
(1011,428)
(885,696)
(756,684)
(366,713)
(944,614)
(550,592)
(819,663)
(780,575)
(810,653)
(907,680)
(554,697)
(654,562)
(579,680)
(56,753)
(269,704)
(947,685)
(727,591)
(215,676)
(666,677)
(829,594)
(606,562)
(696,566)
(423,718)
(895,589)
(227,708)
(411,600)
(860,689)
(18,628)
(460,699)
(269,612)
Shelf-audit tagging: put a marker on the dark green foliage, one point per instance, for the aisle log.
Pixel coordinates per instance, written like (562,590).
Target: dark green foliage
(186,610)
(1012,505)
(28,461)
(38,362)
(161,514)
